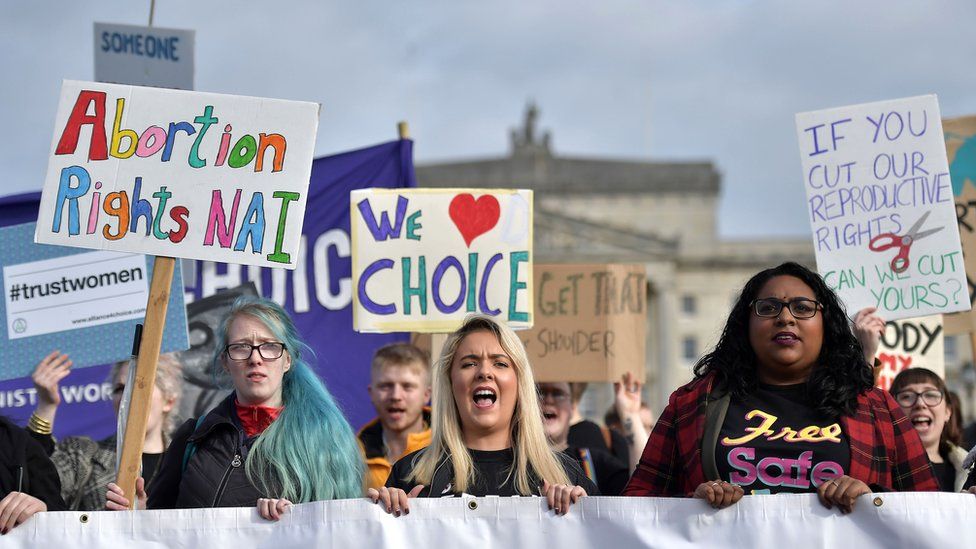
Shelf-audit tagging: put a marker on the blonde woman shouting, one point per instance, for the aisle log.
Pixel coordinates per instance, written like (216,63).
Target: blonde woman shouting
(487,434)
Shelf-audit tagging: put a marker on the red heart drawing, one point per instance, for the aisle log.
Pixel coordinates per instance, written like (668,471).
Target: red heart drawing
(474,217)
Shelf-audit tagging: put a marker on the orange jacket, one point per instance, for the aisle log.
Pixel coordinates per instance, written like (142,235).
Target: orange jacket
(371,441)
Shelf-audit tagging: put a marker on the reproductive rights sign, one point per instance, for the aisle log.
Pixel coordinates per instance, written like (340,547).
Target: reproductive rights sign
(179,174)
(422,259)
(880,204)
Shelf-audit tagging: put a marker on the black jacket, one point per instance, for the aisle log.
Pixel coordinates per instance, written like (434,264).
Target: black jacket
(212,473)
(587,434)
(25,467)
(609,474)
(443,479)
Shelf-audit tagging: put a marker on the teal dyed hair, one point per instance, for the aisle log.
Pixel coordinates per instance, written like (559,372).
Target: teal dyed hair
(310,452)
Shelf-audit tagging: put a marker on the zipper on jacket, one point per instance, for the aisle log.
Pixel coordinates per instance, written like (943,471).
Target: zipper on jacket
(234,464)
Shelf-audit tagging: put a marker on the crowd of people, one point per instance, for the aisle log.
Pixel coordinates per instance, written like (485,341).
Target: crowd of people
(785,403)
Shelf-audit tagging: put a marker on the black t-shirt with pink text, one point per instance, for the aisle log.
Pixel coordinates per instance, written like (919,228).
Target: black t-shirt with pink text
(773,441)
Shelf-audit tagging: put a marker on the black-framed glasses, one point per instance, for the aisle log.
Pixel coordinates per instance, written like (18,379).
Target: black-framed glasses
(770,307)
(555,395)
(268,350)
(907,399)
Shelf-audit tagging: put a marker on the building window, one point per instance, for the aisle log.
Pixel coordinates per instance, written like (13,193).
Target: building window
(689,305)
(689,348)
(951,349)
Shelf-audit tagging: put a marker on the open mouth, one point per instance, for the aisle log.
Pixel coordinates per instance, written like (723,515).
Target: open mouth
(485,398)
(549,416)
(786,338)
(395,413)
(921,422)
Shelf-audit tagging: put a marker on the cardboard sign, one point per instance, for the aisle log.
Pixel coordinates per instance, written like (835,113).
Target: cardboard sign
(144,56)
(422,259)
(919,342)
(178,174)
(83,303)
(590,322)
(960,139)
(881,207)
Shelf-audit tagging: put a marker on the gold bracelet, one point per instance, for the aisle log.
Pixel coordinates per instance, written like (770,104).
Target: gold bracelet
(39,425)
(39,430)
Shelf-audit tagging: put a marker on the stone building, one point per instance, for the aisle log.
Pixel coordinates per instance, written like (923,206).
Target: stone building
(661,214)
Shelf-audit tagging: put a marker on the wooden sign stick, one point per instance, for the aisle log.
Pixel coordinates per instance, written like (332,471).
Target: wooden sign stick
(145,377)
(436,341)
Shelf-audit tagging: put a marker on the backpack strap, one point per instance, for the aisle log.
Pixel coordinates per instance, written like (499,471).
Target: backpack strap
(607,438)
(191,446)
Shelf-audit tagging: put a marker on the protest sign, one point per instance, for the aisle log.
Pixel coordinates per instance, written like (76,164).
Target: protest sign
(425,258)
(178,174)
(590,322)
(798,521)
(83,303)
(317,295)
(960,140)
(881,208)
(911,343)
(144,56)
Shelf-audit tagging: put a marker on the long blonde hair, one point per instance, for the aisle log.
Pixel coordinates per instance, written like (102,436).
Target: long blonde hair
(169,380)
(529,443)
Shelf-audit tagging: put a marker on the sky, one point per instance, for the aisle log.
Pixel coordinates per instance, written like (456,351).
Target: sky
(716,80)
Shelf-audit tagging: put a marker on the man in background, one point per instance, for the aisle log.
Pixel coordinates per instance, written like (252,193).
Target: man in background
(399,389)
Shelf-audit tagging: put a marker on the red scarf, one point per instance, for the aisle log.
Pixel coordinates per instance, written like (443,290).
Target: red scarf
(255,419)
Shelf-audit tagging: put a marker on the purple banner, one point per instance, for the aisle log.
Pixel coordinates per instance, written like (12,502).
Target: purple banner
(318,294)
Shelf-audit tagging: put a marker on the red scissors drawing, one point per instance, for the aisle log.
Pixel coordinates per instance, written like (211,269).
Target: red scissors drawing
(904,243)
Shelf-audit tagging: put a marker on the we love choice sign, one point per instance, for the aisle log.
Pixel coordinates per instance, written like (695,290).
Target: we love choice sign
(423,259)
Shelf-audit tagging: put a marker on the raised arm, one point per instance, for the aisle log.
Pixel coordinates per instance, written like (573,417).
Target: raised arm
(47,378)
(628,403)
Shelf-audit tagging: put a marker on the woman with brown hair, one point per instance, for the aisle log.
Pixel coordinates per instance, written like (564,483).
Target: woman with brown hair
(923,397)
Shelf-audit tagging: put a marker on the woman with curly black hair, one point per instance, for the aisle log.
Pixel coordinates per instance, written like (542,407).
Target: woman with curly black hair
(785,403)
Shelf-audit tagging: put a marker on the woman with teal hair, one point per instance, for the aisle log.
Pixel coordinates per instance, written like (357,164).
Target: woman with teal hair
(278,439)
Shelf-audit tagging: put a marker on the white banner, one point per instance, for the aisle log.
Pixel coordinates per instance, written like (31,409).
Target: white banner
(796,521)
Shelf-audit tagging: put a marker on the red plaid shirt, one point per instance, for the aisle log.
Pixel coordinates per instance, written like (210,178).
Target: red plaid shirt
(886,453)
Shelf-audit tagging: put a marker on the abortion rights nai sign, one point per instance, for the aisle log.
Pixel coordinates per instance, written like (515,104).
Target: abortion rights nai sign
(422,259)
(880,204)
(177,173)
